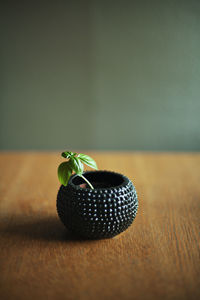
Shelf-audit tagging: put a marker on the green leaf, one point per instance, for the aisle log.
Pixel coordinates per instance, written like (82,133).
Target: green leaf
(67,154)
(64,172)
(76,165)
(88,161)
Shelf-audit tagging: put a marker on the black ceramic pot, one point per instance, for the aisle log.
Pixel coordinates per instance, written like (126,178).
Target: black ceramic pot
(103,212)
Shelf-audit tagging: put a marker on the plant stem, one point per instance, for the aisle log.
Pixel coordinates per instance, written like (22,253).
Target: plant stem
(87,182)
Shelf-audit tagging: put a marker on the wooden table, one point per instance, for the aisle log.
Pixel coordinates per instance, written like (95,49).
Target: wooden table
(156,258)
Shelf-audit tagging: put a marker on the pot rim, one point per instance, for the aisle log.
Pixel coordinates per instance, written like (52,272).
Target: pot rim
(125,181)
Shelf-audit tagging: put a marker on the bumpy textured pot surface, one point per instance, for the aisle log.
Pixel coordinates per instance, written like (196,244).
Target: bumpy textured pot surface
(103,212)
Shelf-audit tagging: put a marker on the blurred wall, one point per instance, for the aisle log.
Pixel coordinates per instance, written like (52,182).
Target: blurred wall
(100,75)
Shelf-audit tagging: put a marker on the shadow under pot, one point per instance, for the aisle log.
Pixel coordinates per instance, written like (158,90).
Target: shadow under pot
(104,212)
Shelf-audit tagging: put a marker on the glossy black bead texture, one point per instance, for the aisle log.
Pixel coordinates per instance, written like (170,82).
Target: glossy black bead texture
(98,213)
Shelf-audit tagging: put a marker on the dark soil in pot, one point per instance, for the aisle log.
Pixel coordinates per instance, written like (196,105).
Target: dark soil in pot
(95,185)
(104,212)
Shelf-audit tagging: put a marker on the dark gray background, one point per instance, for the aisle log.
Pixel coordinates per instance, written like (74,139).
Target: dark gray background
(100,75)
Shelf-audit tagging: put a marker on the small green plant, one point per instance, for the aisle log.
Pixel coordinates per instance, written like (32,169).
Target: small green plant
(74,164)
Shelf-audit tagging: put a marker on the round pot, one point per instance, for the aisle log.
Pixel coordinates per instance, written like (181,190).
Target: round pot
(103,212)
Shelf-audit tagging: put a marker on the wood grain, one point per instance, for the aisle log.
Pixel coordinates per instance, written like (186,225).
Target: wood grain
(156,258)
